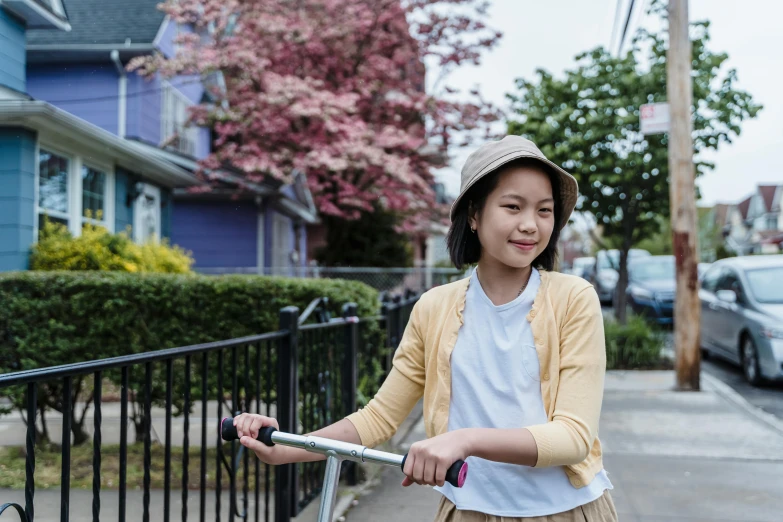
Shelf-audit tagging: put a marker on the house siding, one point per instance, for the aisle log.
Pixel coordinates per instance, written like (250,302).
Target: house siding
(88,91)
(143,107)
(220,234)
(12,52)
(17,197)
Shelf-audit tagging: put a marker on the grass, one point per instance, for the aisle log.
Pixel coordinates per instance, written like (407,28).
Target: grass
(48,467)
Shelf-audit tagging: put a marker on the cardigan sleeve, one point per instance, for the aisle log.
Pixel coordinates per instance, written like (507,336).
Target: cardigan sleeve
(402,389)
(568,438)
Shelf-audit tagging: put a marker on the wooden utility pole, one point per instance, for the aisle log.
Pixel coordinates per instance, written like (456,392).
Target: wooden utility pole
(687,312)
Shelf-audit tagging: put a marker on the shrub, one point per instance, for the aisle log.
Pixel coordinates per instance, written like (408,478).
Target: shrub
(99,249)
(53,318)
(637,345)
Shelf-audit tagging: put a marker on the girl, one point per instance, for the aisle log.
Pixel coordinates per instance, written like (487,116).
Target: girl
(510,361)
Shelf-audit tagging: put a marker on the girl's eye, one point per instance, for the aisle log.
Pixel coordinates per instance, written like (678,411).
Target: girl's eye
(513,207)
(546,210)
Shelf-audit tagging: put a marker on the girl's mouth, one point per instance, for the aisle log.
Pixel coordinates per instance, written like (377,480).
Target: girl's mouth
(524,246)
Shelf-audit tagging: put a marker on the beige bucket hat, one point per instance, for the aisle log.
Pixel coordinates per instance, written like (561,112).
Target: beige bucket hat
(493,155)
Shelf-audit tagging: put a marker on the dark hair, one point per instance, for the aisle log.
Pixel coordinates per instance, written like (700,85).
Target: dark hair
(464,246)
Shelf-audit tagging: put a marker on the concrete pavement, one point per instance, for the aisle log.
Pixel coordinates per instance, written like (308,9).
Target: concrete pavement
(671,456)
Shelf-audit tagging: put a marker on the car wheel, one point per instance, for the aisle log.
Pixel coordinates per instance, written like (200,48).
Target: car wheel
(750,361)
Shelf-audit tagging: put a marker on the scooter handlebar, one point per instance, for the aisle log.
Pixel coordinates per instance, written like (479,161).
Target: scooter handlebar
(456,474)
(228,432)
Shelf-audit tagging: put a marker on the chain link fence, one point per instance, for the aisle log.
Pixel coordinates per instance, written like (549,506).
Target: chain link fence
(392,280)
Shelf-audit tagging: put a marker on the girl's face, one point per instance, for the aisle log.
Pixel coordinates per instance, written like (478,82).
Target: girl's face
(518,217)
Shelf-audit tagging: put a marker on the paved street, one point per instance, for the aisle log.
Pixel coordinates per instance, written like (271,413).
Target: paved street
(769,397)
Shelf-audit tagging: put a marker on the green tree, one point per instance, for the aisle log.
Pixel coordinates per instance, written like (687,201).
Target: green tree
(588,122)
(659,243)
(372,240)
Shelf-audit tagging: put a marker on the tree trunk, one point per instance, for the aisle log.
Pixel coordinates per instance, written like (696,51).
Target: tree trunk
(620,302)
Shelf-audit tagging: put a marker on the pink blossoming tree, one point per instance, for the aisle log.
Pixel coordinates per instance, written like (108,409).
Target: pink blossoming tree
(334,89)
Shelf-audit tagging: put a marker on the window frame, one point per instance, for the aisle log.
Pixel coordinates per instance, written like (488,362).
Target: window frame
(186,133)
(108,211)
(75,215)
(67,215)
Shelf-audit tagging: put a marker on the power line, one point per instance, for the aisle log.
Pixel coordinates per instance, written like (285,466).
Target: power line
(116,96)
(625,28)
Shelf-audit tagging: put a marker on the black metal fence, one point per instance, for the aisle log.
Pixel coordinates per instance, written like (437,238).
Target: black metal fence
(306,375)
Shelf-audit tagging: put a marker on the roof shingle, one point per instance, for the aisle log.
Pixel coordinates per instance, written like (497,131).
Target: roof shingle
(104,22)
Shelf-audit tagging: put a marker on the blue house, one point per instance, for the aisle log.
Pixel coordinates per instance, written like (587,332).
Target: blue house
(260,228)
(67,164)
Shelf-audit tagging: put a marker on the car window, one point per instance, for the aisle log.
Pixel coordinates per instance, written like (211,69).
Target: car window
(766,284)
(710,280)
(648,270)
(730,281)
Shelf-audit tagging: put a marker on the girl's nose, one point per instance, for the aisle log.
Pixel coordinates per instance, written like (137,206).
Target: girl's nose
(527,222)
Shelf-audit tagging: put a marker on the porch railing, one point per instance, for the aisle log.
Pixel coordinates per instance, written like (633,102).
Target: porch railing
(306,375)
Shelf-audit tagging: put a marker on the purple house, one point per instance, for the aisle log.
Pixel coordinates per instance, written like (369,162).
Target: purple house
(84,72)
(65,160)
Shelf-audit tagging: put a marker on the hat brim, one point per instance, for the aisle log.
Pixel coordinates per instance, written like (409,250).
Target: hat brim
(569,188)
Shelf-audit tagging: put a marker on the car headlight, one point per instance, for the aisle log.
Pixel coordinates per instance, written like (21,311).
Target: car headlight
(641,293)
(772,332)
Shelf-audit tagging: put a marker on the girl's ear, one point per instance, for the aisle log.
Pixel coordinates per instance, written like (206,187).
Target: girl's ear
(472,216)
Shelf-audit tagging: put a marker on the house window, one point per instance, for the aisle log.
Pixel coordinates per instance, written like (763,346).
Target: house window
(174,116)
(93,196)
(72,193)
(53,188)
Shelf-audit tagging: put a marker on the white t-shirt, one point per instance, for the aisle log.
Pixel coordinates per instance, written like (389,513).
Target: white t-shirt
(495,383)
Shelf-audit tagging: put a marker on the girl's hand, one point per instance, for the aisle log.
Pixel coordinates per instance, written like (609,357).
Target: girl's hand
(429,460)
(248,425)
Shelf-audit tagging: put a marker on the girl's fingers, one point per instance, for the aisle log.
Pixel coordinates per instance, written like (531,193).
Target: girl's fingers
(238,421)
(418,470)
(428,472)
(247,423)
(440,474)
(257,424)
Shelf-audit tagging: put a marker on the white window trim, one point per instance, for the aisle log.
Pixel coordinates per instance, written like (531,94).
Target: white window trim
(74,184)
(189,133)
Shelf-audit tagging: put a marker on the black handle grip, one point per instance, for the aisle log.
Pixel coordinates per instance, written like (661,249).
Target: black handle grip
(456,474)
(228,432)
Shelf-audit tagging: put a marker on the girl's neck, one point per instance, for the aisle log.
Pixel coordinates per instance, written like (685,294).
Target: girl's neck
(502,283)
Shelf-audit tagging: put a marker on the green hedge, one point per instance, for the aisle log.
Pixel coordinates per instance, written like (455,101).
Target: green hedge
(53,318)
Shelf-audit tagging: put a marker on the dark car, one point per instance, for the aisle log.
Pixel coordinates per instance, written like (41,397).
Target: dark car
(651,288)
(603,275)
(742,314)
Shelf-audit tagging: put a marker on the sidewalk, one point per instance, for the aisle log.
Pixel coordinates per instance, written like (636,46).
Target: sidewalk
(671,456)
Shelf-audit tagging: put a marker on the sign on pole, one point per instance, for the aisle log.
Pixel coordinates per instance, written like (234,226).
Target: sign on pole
(654,118)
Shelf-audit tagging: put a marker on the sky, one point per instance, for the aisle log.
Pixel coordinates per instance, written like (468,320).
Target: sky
(548,34)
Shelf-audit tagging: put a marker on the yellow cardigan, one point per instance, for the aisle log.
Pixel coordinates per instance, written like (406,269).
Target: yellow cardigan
(568,330)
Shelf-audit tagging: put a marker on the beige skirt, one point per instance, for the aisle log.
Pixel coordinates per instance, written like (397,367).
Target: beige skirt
(599,510)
